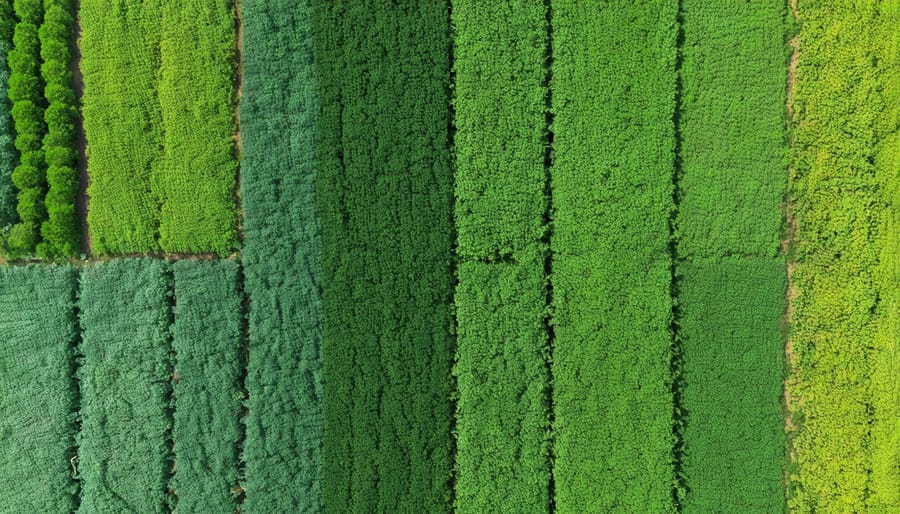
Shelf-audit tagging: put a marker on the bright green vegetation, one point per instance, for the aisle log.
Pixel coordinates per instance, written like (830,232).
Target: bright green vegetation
(8,154)
(124,457)
(732,370)
(159,120)
(195,180)
(844,386)
(206,338)
(59,231)
(502,422)
(731,284)
(282,259)
(37,413)
(25,86)
(122,121)
(613,92)
(385,188)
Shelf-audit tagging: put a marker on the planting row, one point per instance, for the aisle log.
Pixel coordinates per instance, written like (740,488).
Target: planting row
(158,109)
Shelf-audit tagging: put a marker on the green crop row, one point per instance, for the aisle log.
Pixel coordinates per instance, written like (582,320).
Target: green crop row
(39,395)
(282,259)
(8,154)
(731,286)
(613,90)
(195,180)
(158,117)
(385,186)
(25,86)
(60,233)
(502,411)
(844,187)
(206,339)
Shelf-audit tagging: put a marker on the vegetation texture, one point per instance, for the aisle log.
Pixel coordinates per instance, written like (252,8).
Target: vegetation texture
(613,92)
(37,414)
(282,259)
(206,338)
(124,454)
(122,121)
(731,283)
(502,421)
(25,86)
(194,183)
(59,231)
(8,154)
(844,191)
(386,189)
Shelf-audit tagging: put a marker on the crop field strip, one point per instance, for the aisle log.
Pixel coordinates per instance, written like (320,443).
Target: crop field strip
(502,416)
(730,278)
(158,110)
(385,189)
(281,258)
(8,152)
(40,398)
(613,160)
(844,328)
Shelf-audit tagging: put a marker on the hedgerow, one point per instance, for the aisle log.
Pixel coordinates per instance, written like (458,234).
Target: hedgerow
(195,180)
(843,184)
(37,413)
(8,154)
(60,229)
(385,197)
(613,97)
(122,121)
(282,259)
(731,288)
(733,459)
(206,339)
(502,419)
(124,459)
(27,111)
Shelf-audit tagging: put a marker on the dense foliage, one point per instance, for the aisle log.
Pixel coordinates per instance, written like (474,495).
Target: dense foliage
(613,90)
(282,259)
(8,154)
(124,457)
(385,189)
(158,117)
(502,422)
(844,189)
(195,180)
(206,339)
(39,396)
(25,87)
(733,459)
(59,231)
(122,121)
(731,285)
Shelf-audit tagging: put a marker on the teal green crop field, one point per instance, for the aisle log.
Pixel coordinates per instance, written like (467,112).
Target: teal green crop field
(438,256)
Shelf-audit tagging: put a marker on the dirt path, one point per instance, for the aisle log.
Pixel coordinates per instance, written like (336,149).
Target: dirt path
(81,199)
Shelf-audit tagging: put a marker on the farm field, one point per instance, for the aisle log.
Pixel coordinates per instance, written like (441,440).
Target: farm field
(509,256)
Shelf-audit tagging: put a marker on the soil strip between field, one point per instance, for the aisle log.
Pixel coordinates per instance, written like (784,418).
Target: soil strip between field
(81,198)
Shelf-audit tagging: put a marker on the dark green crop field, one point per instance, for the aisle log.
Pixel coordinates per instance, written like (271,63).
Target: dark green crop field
(438,256)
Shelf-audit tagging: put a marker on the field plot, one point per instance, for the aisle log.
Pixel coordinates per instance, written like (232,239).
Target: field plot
(282,259)
(124,457)
(206,339)
(613,151)
(385,191)
(195,180)
(844,331)
(733,457)
(502,422)
(159,121)
(37,414)
(731,286)
(122,121)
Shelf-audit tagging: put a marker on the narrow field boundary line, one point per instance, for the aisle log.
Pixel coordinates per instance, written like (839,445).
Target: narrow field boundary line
(75,364)
(171,496)
(239,490)
(238,95)
(82,200)
(548,251)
